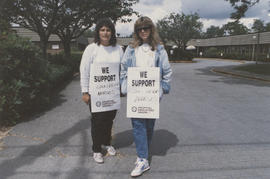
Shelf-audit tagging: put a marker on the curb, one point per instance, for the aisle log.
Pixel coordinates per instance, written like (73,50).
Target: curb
(223,59)
(183,61)
(239,75)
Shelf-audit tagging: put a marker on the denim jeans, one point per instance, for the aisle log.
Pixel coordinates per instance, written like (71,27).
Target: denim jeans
(142,132)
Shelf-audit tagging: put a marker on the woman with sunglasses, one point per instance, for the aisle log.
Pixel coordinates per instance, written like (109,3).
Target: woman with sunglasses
(103,50)
(145,51)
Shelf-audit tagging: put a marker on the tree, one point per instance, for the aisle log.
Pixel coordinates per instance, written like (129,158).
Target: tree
(235,28)
(258,26)
(241,6)
(67,18)
(4,24)
(89,33)
(38,16)
(78,16)
(163,29)
(180,28)
(267,27)
(213,31)
(4,27)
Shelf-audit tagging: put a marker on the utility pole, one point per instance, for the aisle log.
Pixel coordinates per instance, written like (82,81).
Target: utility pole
(253,47)
(198,47)
(257,48)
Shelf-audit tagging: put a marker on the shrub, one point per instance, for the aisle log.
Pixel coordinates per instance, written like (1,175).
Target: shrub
(212,52)
(264,57)
(76,60)
(4,27)
(72,62)
(236,56)
(58,74)
(27,81)
(23,76)
(180,54)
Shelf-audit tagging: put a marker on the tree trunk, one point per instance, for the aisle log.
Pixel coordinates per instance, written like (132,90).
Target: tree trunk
(67,49)
(44,50)
(183,47)
(43,45)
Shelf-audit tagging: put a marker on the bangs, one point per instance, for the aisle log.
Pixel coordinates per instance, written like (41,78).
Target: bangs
(143,22)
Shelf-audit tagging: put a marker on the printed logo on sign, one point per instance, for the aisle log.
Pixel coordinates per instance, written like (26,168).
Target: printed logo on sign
(134,109)
(98,103)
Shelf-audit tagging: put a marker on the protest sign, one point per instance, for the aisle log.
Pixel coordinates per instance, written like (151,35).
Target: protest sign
(104,87)
(143,92)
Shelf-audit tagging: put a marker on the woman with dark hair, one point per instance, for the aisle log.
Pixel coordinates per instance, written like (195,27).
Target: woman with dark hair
(145,51)
(103,50)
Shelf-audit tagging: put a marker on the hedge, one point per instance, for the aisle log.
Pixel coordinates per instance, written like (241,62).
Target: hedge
(27,80)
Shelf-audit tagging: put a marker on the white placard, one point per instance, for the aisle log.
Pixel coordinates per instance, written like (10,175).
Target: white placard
(104,87)
(143,92)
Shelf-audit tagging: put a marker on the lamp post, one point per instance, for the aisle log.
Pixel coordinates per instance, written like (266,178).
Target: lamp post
(198,41)
(258,45)
(253,47)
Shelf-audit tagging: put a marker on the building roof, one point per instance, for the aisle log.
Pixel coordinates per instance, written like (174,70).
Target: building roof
(33,36)
(248,39)
(122,41)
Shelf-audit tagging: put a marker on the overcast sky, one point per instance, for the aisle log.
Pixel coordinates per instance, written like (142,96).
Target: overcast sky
(212,12)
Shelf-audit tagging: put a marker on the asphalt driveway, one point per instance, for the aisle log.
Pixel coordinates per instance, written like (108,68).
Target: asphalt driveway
(211,125)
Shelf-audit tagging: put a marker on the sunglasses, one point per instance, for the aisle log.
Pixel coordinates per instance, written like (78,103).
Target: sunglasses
(143,28)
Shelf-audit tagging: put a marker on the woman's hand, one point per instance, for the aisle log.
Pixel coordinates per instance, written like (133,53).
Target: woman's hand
(86,98)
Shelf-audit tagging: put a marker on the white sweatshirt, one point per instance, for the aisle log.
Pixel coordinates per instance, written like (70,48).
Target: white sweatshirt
(97,54)
(145,57)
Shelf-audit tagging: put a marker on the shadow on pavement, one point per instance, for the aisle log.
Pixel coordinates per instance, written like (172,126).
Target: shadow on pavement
(9,167)
(57,99)
(123,139)
(162,141)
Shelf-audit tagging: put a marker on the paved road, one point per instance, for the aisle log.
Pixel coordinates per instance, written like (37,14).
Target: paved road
(211,127)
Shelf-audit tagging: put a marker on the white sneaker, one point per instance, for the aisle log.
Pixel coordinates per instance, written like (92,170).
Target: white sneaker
(110,149)
(137,160)
(141,166)
(98,157)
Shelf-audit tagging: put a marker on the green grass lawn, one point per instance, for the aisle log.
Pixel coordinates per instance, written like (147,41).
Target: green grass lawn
(262,69)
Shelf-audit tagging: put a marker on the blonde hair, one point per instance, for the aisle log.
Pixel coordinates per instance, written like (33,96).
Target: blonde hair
(153,38)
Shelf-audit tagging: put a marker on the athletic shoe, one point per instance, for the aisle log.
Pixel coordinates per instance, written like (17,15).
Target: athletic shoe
(110,149)
(98,157)
(141,166)
(137,160)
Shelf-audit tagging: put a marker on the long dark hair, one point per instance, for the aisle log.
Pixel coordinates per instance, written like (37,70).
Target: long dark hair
(107,23)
